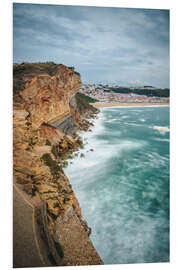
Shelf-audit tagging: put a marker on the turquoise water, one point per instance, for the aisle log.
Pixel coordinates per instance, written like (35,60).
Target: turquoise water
(123,185)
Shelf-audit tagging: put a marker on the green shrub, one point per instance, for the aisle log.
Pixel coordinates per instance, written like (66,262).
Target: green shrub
(30,70)
(48,142)
(52,164)
(64,163)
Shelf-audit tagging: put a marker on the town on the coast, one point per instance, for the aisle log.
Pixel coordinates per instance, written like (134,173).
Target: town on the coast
(133,94)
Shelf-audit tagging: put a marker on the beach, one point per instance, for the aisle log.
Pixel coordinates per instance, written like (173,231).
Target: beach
(113,104)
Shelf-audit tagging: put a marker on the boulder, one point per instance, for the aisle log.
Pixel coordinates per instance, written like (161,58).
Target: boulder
(53,207)
(44,188)
(29,189)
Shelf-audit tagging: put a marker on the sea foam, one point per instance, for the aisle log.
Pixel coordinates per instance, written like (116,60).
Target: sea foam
(122,186)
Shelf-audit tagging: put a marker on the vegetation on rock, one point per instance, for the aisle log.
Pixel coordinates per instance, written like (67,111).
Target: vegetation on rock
(52,164)
(83,103)
(41,150)
(26,71)
(148,92)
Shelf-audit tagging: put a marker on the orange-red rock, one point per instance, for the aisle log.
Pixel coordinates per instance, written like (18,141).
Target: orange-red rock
(47,97)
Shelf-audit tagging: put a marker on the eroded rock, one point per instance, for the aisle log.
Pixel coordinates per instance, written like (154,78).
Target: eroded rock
(39,149)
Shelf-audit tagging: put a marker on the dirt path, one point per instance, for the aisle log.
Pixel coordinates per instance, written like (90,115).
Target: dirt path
(29,250)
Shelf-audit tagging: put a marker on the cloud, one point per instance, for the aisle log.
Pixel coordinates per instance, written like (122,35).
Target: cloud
(104,44)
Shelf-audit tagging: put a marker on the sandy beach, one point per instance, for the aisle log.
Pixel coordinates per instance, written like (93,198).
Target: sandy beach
(113,104)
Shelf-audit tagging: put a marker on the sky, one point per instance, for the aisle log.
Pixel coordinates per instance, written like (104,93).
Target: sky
(119,46)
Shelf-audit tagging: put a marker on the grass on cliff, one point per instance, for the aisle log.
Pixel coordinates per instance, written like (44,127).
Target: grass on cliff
(52,164)
(30,70)
(85,99)
(83,103)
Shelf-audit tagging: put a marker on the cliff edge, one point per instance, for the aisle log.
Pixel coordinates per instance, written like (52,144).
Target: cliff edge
(47,113)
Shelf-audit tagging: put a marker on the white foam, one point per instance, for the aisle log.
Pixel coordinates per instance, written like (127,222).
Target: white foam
(103,151)
(128,231)
(142,120)
(134,124)
(136,110)
(155,160)
(111,120)
(161,140)
(124,116)
(161,129)
(95,161)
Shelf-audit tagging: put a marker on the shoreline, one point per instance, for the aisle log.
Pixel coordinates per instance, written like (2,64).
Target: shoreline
(133,104)
(39,156)
(75,183)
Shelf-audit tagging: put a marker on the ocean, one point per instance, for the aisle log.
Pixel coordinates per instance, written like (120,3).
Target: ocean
(122,184)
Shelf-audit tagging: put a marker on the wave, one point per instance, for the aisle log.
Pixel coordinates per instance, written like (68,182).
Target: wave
(161,140)
(161,129)
(142,120)
(111,120)
(124,116)
(121,187)
(134,124)
(156,160)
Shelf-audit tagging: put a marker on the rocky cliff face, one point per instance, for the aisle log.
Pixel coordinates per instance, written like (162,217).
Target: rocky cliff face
(39,153)
(47,98)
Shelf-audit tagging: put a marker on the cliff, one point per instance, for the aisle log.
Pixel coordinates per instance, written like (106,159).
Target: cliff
(46,115)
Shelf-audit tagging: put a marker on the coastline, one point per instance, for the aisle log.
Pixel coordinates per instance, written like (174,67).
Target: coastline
(45,135)
(94,166)
(40,150)
(120,104)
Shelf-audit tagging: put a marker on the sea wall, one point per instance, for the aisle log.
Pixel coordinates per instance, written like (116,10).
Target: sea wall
(43,122)
(67,124)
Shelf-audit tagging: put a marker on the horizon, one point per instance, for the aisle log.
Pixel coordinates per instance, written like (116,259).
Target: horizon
(118,46)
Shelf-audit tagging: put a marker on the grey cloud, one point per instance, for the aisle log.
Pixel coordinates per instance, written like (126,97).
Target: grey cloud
(102,43)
